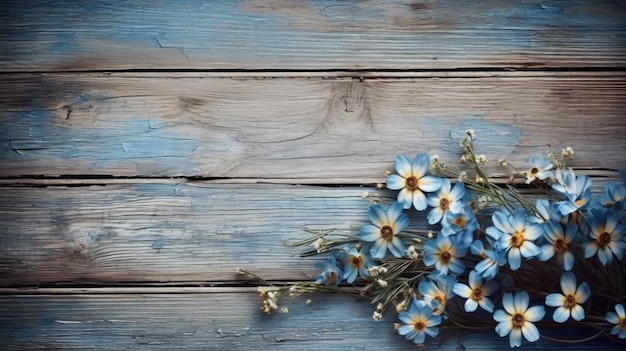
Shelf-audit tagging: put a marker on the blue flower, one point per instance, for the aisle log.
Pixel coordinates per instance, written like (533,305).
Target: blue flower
(476,292)
(444,253)
(437,291)
(383,232)
(356,262)
(461,224)
(419,321)
(569,302)
(541,168)
(559,243)
(605,236)
(516,320)
(619,319)
(575,190)
(491,263)
(613,196)
(515,234)
(545,210)
(445,200)
(414,180)
(331,274)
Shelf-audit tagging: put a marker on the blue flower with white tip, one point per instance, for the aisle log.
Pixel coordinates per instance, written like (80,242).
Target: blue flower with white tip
(384,229)
(569,302)
(445,253)
(516,319)
(476,291)
(605,236)
(437,290)
(356,261)
(559,243)
(448,198)
(576,191)
(419,321)
(413,180)
(331,274)
(619,319)
(541,168)
(516,235)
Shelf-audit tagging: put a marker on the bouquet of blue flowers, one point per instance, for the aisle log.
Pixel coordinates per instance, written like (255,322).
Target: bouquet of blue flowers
(549,258)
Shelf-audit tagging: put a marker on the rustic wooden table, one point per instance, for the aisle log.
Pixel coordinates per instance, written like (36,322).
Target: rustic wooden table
(148,149)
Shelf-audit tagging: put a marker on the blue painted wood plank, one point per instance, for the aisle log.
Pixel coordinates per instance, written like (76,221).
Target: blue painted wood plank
(224,321)
(316,130)
(314,34)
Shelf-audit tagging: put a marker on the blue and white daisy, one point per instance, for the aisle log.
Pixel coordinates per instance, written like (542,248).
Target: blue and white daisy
(576,191)
(384,229)
(445,253)
(516,319)
(437,290)
(461,224)
(419,321)
(444,200)
(559,243)
(619,319)
(541,168)
(413,180)
(516,235)
(356,261)
(569,302)
(605,236)
(476,292)
(331,274)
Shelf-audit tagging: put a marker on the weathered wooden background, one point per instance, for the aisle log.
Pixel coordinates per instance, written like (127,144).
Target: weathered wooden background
(149,148)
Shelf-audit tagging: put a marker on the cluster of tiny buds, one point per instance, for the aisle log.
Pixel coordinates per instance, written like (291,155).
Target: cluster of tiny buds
(382,283)
(375,271)
(378,314)
(319,244)
(567,152)
(412,253)
(471,134)
(481,159)
(269,300)
(502,162)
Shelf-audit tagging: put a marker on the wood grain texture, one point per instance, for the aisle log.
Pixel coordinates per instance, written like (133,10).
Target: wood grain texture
(221,321)
(314,34)
(306,129)
(194,233)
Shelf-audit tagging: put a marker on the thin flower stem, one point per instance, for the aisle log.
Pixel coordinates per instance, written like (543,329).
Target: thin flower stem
(576,341)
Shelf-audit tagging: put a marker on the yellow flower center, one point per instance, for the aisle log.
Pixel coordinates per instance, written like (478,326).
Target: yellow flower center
(517,239)
(460,222)
(604,239)
(445,256)
(356,261)
(560,246)
(477,294)
(386,232)
(570,301)
(444,204)
(622,323)
(518,320)
(419,325)
(412,183)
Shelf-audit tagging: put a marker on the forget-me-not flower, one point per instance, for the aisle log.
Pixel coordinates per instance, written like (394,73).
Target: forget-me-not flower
(516,235)
(576,191)
(413,180)
(331,274)
(356,261)
(568,303)
(516,319)
(619,319)
(476,292)
(384,229)
(605,236)
(559,243)
(448,198)
(445,253)
(419,321)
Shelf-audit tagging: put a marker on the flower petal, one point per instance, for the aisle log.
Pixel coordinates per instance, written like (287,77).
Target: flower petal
(520,301)
(535,313)
(503,328)
(406,198)
(486,304)
(403,166)
(515,337)
(555,300)
(395,182)
(462,290)
(419,200)
(578,313)
(430,183)
(369,233)
(530,332)
(470,305)
(561,314)
(377,216)
(568,283)
(420,166)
